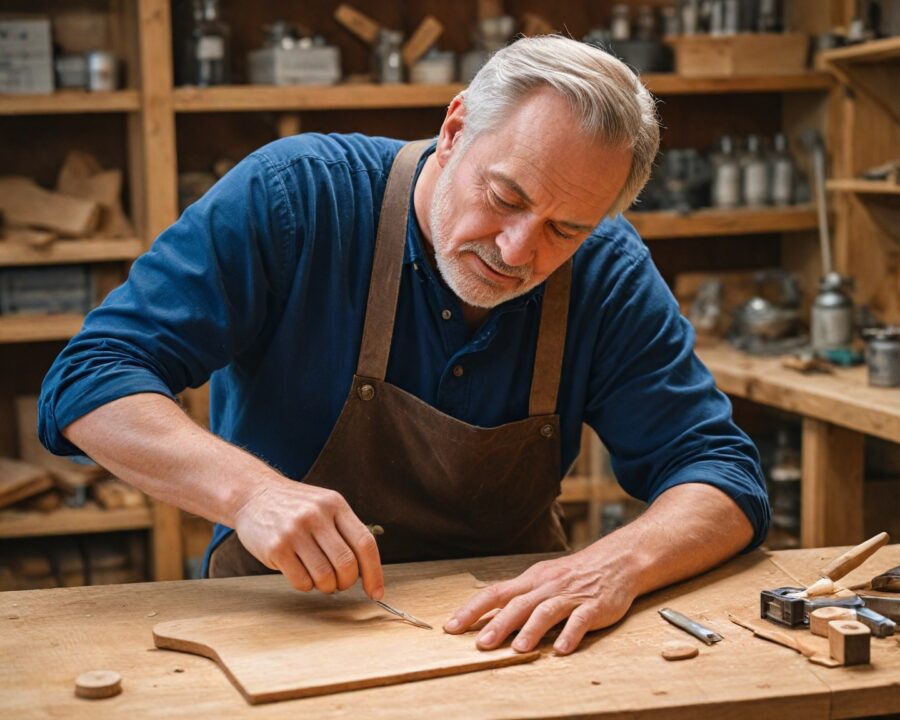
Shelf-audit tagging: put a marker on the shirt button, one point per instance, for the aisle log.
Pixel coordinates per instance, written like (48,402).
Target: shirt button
(446,314)
(457,371)
(416,267)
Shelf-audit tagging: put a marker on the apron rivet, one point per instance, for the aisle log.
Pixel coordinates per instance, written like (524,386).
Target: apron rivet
(366,392)
(547,430)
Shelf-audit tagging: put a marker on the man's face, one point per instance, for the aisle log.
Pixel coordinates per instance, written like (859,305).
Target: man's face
(515,204)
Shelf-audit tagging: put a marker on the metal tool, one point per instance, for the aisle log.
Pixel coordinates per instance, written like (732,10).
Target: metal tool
(412,619)
(878,624)
(887,604)
(690,626)
(785,606)
(888,581)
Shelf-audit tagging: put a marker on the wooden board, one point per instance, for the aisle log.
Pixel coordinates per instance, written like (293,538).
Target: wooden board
(19,480)
(286,644)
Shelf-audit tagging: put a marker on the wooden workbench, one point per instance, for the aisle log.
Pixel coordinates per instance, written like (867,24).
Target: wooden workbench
(48,637)
(838,411)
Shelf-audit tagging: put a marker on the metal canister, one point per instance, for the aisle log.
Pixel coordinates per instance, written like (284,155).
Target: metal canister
(883,356)
(102,71)
(387,57)
(832,315)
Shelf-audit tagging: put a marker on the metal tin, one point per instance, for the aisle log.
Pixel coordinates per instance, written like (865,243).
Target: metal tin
(883,356)
(832,315)
(102,71)
(387,57)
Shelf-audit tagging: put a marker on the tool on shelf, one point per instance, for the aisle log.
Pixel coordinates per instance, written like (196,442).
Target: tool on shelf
(692,627)
(832,310)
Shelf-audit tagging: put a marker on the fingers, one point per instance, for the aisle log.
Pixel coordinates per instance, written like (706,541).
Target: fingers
(342,559)
(582,619)
(291,567)
(365,551)
(513,616)
(316,563)
(496,596)
(542,619)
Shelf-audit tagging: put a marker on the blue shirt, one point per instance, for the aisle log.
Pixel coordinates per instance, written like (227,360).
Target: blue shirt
(261,286)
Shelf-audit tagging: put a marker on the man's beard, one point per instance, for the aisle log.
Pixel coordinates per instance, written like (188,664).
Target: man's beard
(471,288)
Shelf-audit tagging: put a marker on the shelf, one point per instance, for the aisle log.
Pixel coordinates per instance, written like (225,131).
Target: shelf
(583,488)
(237,98)
(719,223)
(874,51)
(865,187)
(70,101)
(69,521)
(62,252)
(843,397)
(672,84)
(233,98)
(38,328)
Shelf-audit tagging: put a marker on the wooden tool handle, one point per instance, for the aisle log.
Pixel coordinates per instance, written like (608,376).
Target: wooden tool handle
(854,557)
(364,27)
(422,39)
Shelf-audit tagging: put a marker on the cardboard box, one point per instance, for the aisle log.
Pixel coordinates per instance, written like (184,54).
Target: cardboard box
(26,56)
(317,65)
(743,54)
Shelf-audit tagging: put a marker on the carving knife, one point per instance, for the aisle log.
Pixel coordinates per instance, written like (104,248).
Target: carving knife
(377,530)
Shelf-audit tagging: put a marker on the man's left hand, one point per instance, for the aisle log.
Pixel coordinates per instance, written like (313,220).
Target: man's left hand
(585,591)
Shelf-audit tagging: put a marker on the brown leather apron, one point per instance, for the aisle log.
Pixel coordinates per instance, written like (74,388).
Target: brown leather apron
(439,487)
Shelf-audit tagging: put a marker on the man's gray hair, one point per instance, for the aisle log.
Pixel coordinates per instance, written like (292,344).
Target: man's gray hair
(606,97)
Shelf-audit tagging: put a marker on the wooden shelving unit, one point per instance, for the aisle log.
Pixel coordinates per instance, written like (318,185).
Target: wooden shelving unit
(864,187)
(67,102)
(71,521)
(719,223)
(65,252)
(38,328)
(249,98)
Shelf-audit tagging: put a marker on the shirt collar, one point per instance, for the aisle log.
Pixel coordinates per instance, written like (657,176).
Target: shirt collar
(414,252)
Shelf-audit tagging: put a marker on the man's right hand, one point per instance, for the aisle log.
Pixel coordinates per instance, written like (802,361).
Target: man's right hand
(311,535)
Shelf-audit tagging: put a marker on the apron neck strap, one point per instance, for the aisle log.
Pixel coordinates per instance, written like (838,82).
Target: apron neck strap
(551,342)
(384,288)
(384,283)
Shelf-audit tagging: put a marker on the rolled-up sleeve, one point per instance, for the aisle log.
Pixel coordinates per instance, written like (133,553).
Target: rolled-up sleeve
(204,291)
(656,406)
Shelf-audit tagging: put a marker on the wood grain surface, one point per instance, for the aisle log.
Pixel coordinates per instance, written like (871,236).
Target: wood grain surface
(49,637)
(286,644)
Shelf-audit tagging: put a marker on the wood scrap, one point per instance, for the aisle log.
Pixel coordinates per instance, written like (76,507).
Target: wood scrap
(31,565)
(785,639)
(98,684)
(364,27)
(849,642)
(82,176)
(29,237)
(820,617)
(113,494)
(533,24)
(678,650)
(45,502)
(24,202)
(20,480)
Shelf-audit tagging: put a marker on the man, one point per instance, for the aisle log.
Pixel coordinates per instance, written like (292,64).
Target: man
(433,381)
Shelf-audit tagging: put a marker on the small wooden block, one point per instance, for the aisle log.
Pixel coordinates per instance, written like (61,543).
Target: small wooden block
(848,642)
(677,650)
(819,618)
(97,684)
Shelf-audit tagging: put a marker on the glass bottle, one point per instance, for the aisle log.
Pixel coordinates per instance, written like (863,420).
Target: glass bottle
(781,166)
(726,184)
(755,175)
(209,46)
(620,26)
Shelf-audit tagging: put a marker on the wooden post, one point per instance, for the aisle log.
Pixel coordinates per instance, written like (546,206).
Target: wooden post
(832,485)
(168,563)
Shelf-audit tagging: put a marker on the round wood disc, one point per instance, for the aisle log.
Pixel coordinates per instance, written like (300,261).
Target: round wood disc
(677,650)
(97,684)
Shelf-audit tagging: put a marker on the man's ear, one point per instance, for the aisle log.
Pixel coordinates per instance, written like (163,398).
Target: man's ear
(451,130)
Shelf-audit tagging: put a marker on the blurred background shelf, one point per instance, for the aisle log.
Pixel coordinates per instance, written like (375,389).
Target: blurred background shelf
(713,223)
(70,102)
(69,521)
(864,187)
(64,252)
(38,328)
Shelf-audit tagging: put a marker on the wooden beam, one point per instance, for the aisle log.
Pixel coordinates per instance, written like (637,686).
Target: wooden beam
(832,485)
(167,551)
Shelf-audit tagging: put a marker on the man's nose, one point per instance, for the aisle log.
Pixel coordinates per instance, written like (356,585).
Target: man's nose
(518,242)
